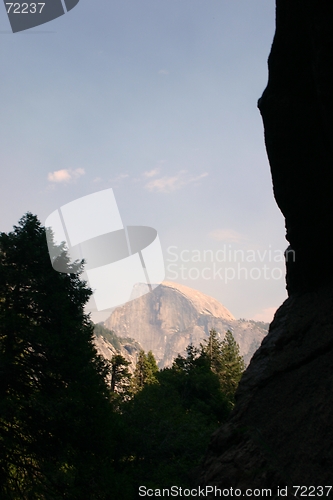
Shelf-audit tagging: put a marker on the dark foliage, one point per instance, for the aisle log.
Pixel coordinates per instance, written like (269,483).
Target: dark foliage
(71,424)
(170,421)
(55,416)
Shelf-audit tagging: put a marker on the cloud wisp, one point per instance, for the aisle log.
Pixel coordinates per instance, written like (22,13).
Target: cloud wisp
(151,173)
(227,235)
(65,175)
(169,184)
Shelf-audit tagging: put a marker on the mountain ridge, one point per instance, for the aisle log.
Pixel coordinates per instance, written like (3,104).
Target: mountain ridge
(173,316)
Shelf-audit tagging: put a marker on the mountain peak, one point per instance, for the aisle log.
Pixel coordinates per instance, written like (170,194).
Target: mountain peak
(173,316)
(202,302)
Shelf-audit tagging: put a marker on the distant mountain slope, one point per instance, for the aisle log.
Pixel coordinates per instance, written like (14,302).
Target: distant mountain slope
(173,316)
(107,344)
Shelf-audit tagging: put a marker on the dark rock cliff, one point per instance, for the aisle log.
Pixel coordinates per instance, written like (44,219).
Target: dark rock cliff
(297,111)
(280,432)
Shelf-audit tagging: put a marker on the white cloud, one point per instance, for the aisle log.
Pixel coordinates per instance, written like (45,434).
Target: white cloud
(163,72)
(151,173)
(59,176)
(65,175)
(265,315)
(226,235)
(173,183)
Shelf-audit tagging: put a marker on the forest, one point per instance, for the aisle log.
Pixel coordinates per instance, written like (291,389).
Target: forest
(76,426)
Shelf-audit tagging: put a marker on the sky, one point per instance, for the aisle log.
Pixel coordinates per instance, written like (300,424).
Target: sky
(156,99)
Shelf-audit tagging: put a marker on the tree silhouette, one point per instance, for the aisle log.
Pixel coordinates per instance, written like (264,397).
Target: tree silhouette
(232,366)
(55,416)
(145,371)
(225,360)
(120,375)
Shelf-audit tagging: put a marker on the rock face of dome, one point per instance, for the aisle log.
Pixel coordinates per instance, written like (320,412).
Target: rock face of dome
(172,316)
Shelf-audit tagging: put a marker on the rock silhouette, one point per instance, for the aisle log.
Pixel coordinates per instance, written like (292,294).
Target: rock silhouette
(297,111)
(280,433)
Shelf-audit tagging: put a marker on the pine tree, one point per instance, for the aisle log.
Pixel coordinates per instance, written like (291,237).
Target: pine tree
(225,361)
(152,367)
(212,349)
(232,366)
(120,375)
(55,415)
(188,363)
(170,422)
(145,371)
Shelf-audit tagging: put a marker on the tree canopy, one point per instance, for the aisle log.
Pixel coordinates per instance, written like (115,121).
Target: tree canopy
(145,371)
(75,426)
(225,360)
(54,400)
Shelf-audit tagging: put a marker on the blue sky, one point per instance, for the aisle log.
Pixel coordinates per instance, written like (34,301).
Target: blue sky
(156,99)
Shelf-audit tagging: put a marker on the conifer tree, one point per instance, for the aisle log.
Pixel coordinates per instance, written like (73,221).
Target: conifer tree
(145,370)
(225,360)
(152,366)
(55,415)
(120,375)
(232,366)
(189,362)
(212,349)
